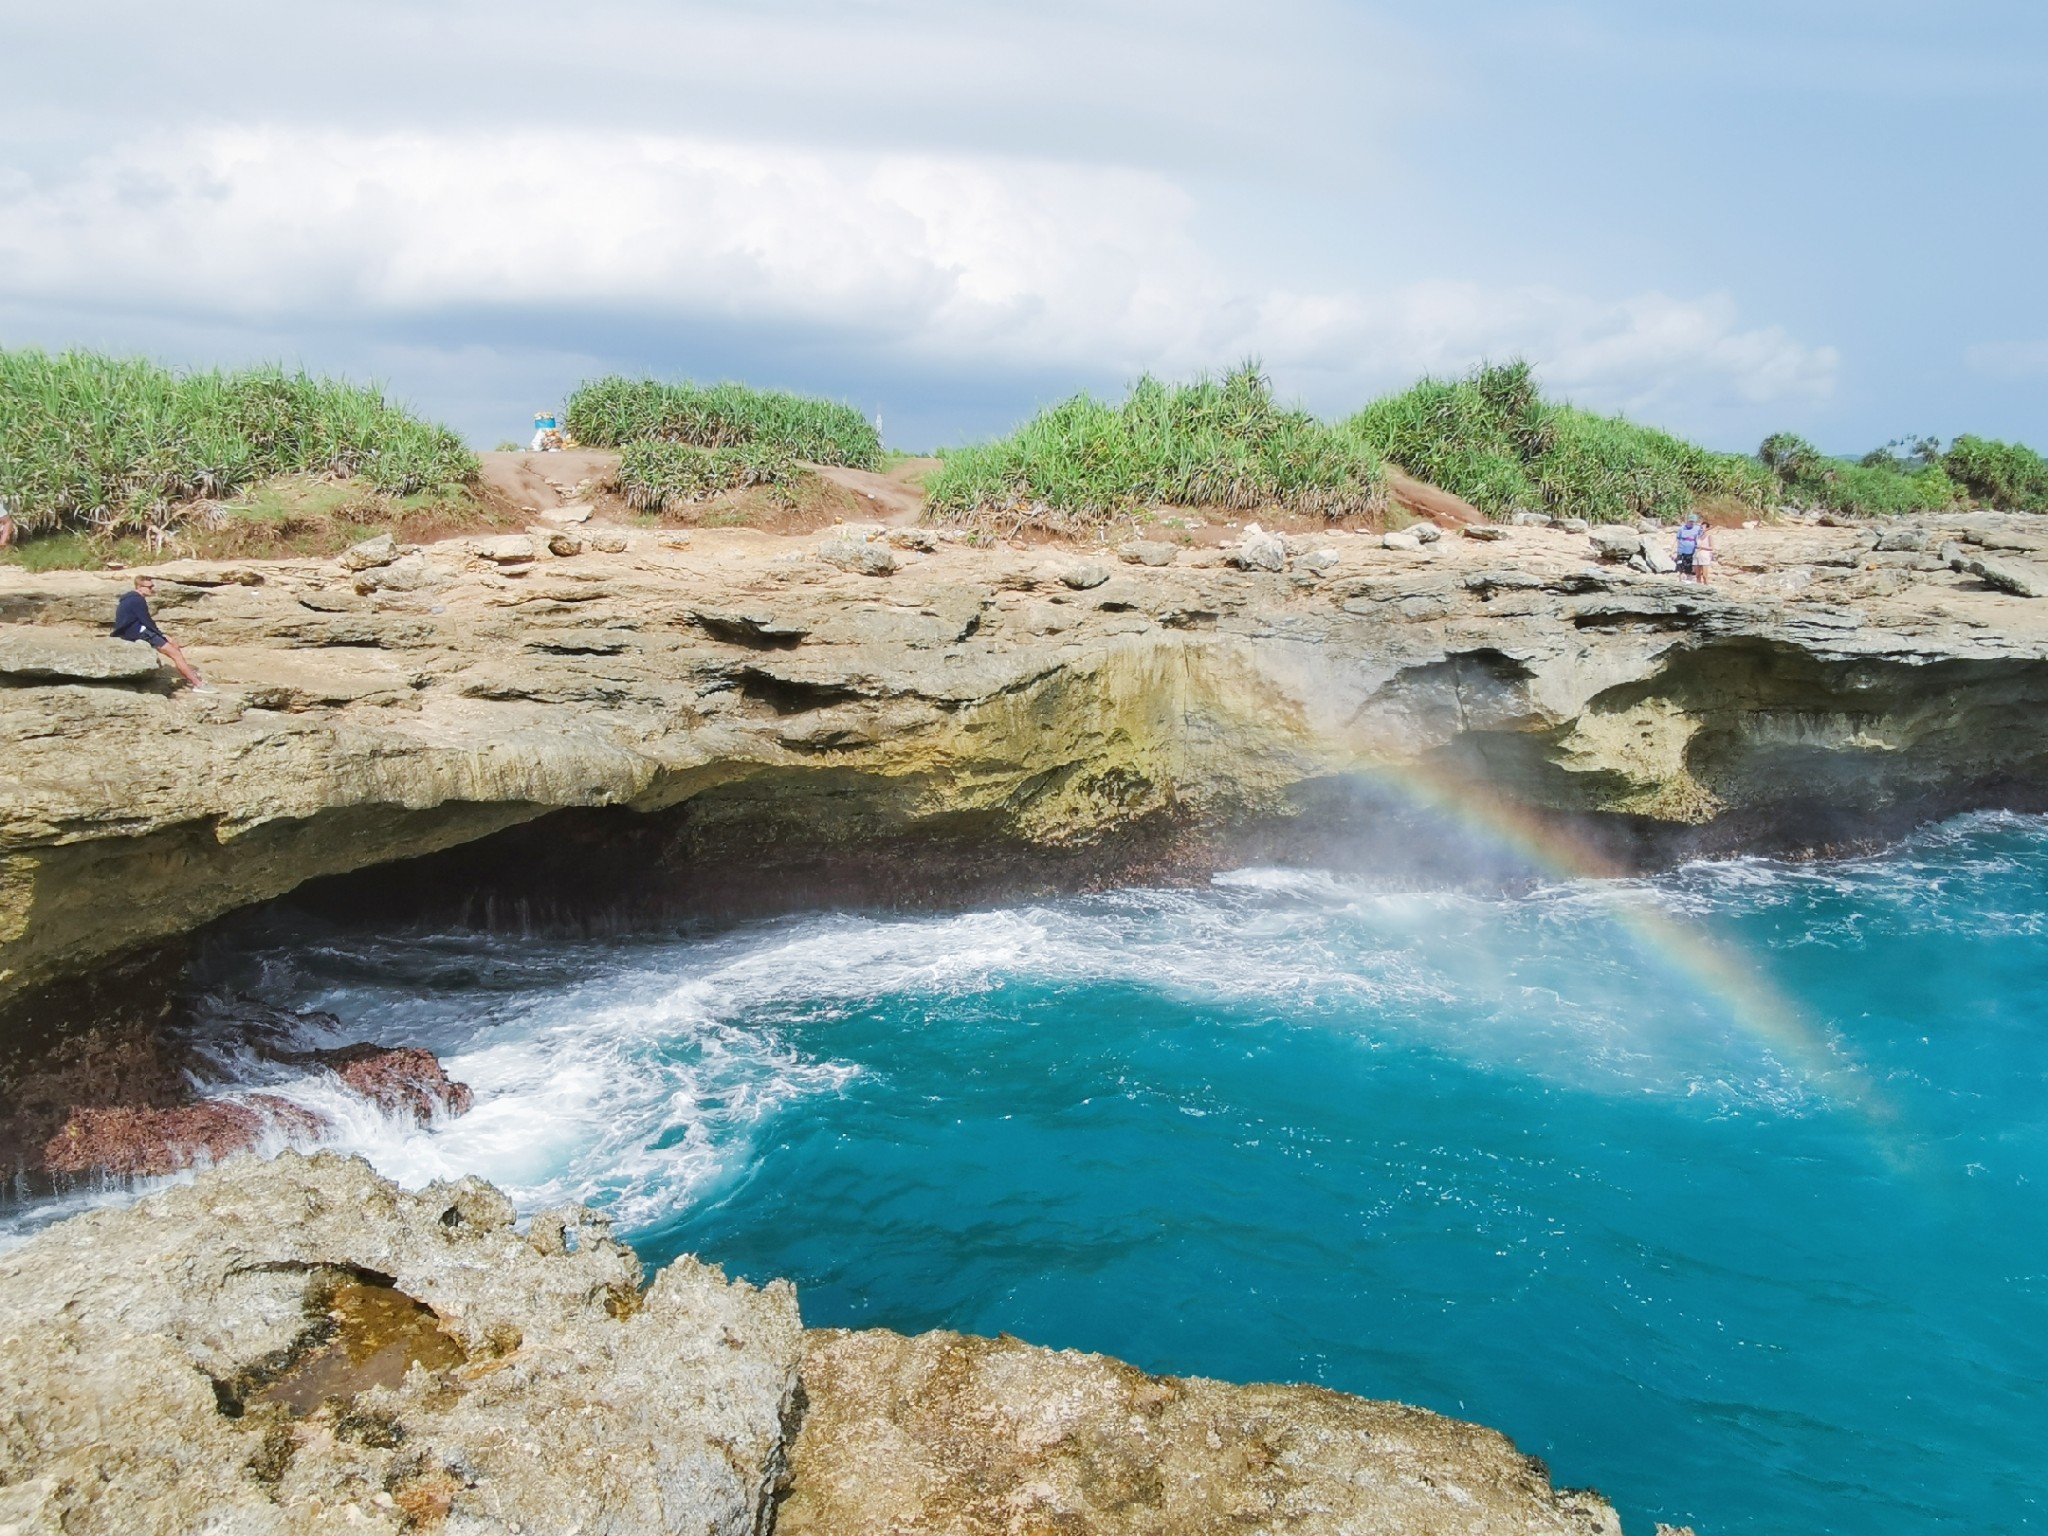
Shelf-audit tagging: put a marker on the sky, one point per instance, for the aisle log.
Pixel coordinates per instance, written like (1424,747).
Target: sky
(1721,217)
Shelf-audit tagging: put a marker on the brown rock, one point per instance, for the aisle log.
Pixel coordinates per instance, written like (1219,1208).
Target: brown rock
(143,1142)
(400,1080)
(987,1437)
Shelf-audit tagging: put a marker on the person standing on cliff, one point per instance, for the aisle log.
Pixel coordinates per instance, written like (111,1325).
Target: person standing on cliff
(1703,557)
(132,621)
(1688,545)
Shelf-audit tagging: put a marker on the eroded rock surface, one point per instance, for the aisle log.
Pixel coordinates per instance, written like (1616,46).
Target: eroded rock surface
(759,705)
(298,1346)
(949,1435)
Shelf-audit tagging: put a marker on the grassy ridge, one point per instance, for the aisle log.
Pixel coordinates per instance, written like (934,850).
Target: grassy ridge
(1218,443)
(1492,439)
(122,447)
(658,476)
(613,412)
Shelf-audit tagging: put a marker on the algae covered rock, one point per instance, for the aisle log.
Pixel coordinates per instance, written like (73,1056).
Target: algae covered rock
(300,1346)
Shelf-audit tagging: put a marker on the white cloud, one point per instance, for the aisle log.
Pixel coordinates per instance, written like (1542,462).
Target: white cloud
(946,257)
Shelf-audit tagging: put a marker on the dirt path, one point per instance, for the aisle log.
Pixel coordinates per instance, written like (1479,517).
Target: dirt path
(896,497)
(539,482)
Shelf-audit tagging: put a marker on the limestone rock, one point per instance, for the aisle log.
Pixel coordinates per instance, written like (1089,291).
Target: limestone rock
(408,573)
(947,1435)
(1656,560)
(1489,532)
(1152,552)
(1613,541)
(298,1347)
(381,550)
(1428,533)
(30,653)
(565,545)
(608,543)
(1258,550)
(2022,578)
(1318,562)
(1902,539)
(851,554)
(1084,575)
(569,512)
(1400,538)
(923,540)
(504,549)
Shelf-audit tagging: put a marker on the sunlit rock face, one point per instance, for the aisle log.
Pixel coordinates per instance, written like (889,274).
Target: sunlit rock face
(300,1346)
(754,720)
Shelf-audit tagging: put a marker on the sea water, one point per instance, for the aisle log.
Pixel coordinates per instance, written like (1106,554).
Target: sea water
(1721,1191)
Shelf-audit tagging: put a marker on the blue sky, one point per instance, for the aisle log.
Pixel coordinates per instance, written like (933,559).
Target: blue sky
(1727,219)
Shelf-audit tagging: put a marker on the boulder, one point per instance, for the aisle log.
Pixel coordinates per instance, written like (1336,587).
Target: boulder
(1258,550)
(564,544)
(1318,562)
(381,550)
(569,512)
(1901,540)
(30,653)
(505,549)
(869,559)
(2022,578)
(1487,532)
(408,573)
(1428,533)
(608,543)
(1400,538)
(1615,541)
(401,1080)
(1084,575)
(299,1346)
(923,540)
(1656,560)
(1153,552)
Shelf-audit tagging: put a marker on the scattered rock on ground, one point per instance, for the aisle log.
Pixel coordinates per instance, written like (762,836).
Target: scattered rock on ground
(381,550)
(1428,533)
(1901,539)
(921,539)
(608,543)
(1400,538)
(1258,550)
(1485,531)
(505,549)
(1613,541)
(2022,578)
(564,544)
(1084,575)
(1658,562)
(1154,552)
(860,555)
(1318,562)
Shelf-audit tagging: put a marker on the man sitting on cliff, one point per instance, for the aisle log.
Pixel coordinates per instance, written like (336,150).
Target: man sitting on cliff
(132,621)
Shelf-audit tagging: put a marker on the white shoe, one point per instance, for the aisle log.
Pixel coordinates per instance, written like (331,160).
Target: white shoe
(203,688)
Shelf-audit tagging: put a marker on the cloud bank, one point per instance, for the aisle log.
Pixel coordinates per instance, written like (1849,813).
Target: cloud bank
(933,258)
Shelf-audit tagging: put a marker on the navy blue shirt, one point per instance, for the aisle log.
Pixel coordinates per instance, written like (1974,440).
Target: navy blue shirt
(132,620)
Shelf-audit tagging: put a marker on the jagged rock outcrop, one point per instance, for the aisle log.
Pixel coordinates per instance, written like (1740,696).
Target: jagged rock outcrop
(949,1435)
(299,1346)
(973,705)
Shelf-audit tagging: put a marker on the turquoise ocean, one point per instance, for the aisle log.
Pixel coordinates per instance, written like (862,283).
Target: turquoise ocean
(1724,1191)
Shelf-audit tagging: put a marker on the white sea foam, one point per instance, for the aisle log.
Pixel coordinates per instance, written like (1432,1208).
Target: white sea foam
(638,1074)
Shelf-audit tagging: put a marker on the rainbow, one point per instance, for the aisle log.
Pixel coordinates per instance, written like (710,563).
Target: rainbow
(1708,966)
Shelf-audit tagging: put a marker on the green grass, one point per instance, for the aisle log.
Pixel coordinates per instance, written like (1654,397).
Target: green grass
(2009,476)
(1491,438)
(615,412)
(660,476)
(1881,484)
(1214,443)
(119,447)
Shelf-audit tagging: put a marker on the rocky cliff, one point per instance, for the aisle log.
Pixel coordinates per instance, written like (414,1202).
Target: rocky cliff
(888,720)
(298,1346)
